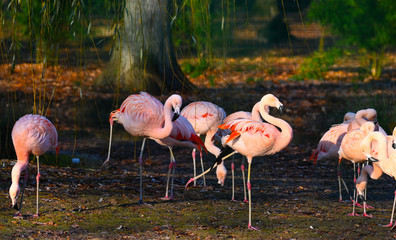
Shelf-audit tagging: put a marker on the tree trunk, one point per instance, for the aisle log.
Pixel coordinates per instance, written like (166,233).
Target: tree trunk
(143,56)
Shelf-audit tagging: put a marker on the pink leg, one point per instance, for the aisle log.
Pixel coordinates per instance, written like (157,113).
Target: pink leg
(232,174)
(38,183)
(354,193)
(393,210)
(244,183)
(141,172)
(203,169)
(249,187)
(167,181)
(195,166)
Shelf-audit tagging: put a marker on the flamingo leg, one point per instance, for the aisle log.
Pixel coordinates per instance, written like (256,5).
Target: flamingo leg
(169,172)
(37,183)
(173,173)
(339,181)
(393,210)
(195,166)
(106,162)
(249,187)
(203,169)
(354,192)
(232,177)
(141,172)
(244,181)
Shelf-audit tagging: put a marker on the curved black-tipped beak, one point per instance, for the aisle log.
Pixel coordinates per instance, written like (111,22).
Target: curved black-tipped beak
(372,159)
(175,117)
(15,207)
(280,108)
(394,145)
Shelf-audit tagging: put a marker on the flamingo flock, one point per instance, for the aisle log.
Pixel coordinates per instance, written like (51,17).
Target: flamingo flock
(358,139)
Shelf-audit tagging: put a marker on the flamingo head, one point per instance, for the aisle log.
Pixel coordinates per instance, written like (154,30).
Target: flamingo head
(176,102)
(272,101)
(349,116)
(113,116)
(221,173)
(14,193)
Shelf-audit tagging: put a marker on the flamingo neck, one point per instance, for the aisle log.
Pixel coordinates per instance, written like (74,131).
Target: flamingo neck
(286,134)
(166,130)
(19,167)
(361,117)
(256,112)
(209,143)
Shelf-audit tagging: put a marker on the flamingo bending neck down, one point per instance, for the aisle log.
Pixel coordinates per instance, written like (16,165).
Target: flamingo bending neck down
(379,150)
(205,117)
(31,134)
(143,115)
(221,171)
(252,138)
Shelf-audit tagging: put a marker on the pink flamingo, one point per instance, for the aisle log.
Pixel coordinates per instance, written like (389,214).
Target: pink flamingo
(182,134)
(145,116)
(375,171)
(205,117)
(251,138)
(221,171)
(386,160)
(350,150)
(31,134)
(330,142)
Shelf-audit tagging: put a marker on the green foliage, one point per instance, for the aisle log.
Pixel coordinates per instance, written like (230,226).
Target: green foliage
(316,66)
(368,24)
(195,70)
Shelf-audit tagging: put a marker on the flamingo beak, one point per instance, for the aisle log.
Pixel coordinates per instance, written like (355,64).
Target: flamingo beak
(15,206)
(280,108)
(176,114)
(372,159)
(394,145)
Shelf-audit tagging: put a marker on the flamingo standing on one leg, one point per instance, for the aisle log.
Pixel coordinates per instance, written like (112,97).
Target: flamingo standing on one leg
(31,134)
(386,159)
(205,117)
(221,171)
(252,138)
(145,116)
(350,150)
(182,134)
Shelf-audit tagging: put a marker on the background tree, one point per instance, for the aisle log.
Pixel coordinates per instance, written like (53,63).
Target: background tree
(143,57)
(367,24)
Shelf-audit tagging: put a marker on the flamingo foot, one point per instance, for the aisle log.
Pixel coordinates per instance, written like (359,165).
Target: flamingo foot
(233,200)
(392,227)
(367,215)
(368,206)
(388,225)
(253,228)
(353,214)
(166,198)
(35,215)
(245,200)
(188,183)
(358,205)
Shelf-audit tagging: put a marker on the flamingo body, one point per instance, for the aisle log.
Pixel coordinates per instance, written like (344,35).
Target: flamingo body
(31,134)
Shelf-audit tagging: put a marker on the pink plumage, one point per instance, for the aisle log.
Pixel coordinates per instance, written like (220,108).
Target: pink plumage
(204,117)
(31,134)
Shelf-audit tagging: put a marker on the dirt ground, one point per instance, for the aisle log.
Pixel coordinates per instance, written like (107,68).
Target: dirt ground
(291,197)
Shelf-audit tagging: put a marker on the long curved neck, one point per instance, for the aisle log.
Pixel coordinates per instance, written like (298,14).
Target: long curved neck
(360,117)
(256,112)
(286,134)
(209,143)
(166,130)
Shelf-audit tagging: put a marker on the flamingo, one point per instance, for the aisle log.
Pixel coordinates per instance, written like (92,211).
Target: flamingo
(31,134)
(205,117)
(350,150)
(375,171)
(386,160)
(221,171)
(145,116)
(330,142)
(182,134)
(251,138)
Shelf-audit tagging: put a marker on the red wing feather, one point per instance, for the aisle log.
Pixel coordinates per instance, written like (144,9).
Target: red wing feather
(233,135)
